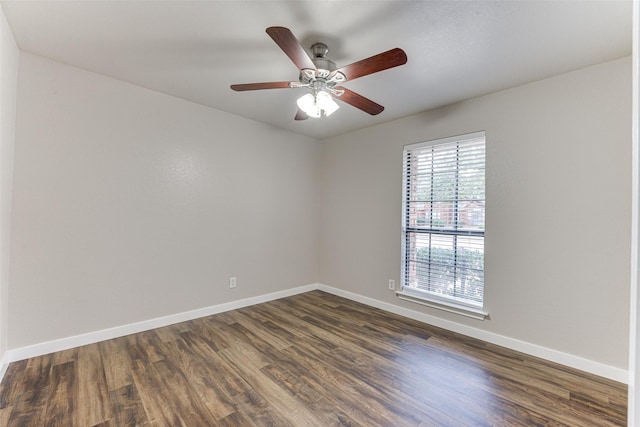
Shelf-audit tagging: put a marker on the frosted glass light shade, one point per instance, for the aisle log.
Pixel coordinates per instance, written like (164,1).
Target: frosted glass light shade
(308,104)
(314,106)
(326,103)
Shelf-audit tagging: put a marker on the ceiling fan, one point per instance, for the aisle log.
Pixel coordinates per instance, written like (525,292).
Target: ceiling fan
(321,76)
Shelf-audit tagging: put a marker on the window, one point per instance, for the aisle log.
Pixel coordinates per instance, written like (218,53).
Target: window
(443,224)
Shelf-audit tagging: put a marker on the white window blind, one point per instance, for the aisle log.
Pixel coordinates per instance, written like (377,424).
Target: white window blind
(443,221)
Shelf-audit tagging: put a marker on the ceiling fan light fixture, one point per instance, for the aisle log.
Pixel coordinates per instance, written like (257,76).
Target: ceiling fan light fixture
(318,104)
(308,104)
(326,103)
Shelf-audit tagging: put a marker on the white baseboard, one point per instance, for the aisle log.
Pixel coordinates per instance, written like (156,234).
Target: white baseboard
(596,368)
(590,366)
(40,349)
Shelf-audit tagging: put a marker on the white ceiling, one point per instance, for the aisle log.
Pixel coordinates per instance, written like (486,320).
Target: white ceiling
(195,49)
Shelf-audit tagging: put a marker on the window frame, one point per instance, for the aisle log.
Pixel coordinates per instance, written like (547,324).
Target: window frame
(424,297)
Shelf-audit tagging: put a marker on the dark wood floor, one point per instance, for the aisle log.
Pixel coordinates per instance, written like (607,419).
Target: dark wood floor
(308,360)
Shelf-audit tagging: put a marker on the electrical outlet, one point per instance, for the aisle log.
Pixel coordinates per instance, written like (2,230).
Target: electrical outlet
(232,282)
(392,285)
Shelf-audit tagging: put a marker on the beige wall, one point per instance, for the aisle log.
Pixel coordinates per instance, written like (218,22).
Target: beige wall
(558,209)
(130,205)
(8,88)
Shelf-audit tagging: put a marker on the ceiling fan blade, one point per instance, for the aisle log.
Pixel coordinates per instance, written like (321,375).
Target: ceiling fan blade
(301,115)
(373,64)
(359,101)
(259,86)
(291,46)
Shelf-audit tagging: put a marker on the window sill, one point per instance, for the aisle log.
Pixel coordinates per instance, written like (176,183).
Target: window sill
(474,313)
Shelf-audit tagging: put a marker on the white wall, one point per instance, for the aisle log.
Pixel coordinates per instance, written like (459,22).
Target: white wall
(8,87)
(130,205)
(558,217)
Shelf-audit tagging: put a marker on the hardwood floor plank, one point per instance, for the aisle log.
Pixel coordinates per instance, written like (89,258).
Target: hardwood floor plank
(5,413)
(283,403)
(117,363)
(172,332)
(220,332)
(312,359)
(277,337)
(146,346)
(293,326)
(31,404)
(127,407)
(237,419)
(10,387)
(152,394)
(209,331)
(185,400)
(311,393)
(63,396)
(93,406)
(259,411)
(357,398)
(195,359)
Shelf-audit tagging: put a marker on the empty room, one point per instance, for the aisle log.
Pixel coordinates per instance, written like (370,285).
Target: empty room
(319,213)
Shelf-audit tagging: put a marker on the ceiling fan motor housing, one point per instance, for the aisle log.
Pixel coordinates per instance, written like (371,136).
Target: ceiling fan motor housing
(319,57)
(324,77)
